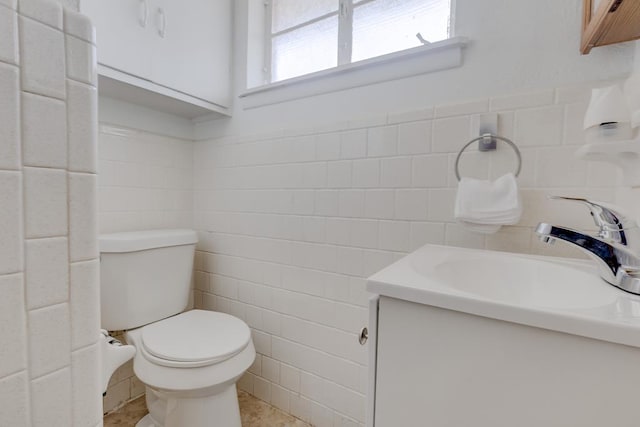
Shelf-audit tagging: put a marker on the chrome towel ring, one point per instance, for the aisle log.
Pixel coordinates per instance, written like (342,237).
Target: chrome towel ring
(484,138)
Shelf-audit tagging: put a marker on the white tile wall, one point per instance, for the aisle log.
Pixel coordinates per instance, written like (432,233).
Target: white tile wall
(83,213)
(14,395)
(85,383)
(12,325)
(9,43)
(47,271)
(75,25)
(42,58)
(48,13)
(51,403)
(35,230)
(288,233)
(85,294)
(80,64)
(45,202)
(145,181)
(44,131)
(49,339)
(82,155)
(10,116)
(11,230)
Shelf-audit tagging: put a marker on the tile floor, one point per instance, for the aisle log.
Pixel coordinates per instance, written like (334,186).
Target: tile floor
(253,412)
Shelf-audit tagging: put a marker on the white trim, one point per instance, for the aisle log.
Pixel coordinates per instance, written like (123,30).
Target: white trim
(345,31)
(267,70)
(419,60)
(305,23)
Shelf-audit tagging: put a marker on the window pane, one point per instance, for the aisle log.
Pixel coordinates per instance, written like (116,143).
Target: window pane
(305,50)
(288,13)
(385,26)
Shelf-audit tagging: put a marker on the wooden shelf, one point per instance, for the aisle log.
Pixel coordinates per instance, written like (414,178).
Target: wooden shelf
(607,22)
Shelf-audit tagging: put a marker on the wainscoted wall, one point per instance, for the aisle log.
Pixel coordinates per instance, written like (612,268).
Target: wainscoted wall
(49,295)
(145,181)
(291,223)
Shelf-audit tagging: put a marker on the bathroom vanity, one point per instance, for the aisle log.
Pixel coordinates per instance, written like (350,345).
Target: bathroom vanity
(462,337)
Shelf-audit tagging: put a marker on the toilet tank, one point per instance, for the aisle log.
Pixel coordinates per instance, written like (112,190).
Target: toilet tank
(145,276)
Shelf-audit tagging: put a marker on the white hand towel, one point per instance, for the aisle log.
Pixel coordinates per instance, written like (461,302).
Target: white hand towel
(483,206)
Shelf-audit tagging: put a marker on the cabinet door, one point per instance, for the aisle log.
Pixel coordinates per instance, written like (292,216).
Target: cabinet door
(124,39)
(194,50)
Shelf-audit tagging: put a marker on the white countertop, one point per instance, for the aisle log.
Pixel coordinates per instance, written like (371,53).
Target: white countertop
(551,293)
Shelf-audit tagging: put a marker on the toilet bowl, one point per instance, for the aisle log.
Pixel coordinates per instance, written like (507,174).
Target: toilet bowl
(190,364)
(189,361)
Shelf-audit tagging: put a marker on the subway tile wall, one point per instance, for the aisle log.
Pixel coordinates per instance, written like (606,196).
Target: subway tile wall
(49,295)
(291,224)
(145,181)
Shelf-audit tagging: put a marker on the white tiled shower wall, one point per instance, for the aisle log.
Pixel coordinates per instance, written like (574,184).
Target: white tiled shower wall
(48,253)
(291,224)
(145,181)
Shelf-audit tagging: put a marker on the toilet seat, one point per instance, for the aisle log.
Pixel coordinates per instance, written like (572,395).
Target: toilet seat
(195,338)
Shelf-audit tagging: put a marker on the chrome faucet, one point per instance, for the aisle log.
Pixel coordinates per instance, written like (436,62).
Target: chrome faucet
(615,248)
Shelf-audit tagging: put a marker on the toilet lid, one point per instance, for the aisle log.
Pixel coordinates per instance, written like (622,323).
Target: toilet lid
(196,336)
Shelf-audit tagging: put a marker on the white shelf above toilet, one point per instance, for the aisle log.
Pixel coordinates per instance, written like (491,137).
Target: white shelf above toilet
(624,154)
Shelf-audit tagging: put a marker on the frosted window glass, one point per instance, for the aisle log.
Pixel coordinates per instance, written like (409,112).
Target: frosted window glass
(305,50)
(385,26)
(288,13)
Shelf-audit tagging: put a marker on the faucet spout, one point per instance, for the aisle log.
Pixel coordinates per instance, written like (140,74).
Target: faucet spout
(615,249)
(616,263)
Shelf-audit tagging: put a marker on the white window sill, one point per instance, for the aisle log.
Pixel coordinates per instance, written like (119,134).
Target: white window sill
(419,60)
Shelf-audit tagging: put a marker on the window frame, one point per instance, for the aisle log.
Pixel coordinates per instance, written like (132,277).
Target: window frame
(344,12)
(435,57)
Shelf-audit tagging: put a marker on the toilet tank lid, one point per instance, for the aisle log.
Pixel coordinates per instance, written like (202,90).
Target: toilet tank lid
(132,241)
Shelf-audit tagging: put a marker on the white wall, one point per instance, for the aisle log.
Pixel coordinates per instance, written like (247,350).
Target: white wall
(291,226)
(145,180)
(515,46)
(297,203)
(49,294)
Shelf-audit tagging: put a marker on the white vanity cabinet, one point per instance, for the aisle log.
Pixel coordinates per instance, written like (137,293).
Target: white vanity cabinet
(461,337)
(438,367)
(180,50)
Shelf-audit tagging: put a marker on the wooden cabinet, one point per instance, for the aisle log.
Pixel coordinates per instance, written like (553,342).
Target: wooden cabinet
(609,21)
(180,50)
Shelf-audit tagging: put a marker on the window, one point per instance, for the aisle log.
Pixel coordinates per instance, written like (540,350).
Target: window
(304,36)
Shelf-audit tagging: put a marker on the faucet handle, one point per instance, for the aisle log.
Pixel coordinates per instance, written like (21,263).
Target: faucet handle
(608,218)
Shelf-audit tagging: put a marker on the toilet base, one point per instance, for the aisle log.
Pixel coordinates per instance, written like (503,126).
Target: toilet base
(146,421)
(167,410)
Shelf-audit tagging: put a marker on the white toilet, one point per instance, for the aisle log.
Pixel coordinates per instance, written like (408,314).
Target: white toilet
(190,361)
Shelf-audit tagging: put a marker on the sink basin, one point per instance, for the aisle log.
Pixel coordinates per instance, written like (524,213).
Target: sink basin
(463,337)
(546,292)
(523,282)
